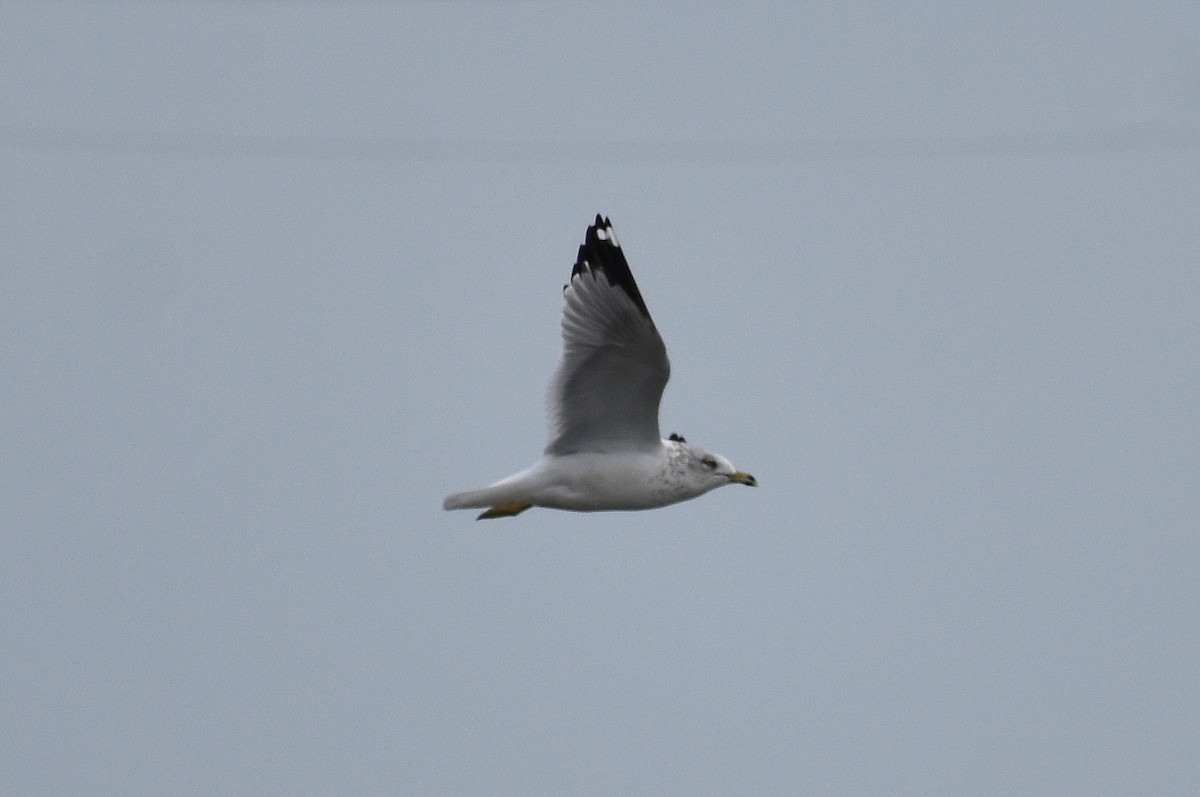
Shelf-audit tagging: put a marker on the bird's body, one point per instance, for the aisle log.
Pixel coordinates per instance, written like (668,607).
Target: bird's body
(605,450)
(596,480)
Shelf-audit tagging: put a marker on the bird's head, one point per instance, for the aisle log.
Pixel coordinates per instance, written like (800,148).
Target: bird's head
(709,470)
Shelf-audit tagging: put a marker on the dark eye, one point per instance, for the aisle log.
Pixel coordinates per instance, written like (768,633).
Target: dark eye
(711,464)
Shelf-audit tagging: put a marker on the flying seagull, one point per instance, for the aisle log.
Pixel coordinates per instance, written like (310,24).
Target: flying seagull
(605,450)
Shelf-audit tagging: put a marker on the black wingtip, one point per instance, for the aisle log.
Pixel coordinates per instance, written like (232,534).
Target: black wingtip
(602,252)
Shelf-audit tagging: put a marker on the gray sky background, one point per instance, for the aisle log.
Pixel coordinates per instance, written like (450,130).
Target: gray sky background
(276,277)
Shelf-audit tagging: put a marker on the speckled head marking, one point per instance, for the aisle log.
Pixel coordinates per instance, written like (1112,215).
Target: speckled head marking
(601,252)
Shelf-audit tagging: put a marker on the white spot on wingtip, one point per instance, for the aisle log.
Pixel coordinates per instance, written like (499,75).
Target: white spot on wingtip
(607,234)
(602,233)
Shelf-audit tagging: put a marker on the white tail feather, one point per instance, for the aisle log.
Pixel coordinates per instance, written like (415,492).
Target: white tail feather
(478,499)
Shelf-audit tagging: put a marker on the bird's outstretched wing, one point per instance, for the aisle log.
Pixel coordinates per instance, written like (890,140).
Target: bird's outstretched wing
(614,366)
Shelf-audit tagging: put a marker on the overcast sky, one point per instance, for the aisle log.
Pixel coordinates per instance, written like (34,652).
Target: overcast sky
(276,277)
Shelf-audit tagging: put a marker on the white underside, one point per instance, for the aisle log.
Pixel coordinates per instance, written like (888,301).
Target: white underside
(589,482)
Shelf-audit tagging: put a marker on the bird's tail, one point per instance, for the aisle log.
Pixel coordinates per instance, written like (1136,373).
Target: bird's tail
(498,498)
(505,498)
(474,499)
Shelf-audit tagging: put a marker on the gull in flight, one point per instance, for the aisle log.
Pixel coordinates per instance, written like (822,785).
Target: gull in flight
(605,450)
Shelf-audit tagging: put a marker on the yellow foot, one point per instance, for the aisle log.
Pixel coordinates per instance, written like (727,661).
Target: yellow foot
(504,510)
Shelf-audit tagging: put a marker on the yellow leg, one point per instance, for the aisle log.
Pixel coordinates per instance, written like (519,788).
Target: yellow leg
(504,510)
